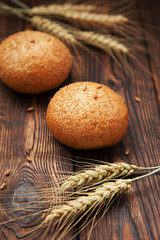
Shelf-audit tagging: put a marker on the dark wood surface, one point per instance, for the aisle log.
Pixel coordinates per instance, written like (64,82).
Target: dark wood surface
(137,215)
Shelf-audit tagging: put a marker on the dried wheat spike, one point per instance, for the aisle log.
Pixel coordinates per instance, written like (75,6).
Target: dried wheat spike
(53,28)
(106,43)
(109,44)
(92,199)
(99,172)
(51,8)
(100,195)
(83,18)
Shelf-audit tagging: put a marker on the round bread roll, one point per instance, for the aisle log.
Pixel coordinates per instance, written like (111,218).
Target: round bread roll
(33,62)
(86,115)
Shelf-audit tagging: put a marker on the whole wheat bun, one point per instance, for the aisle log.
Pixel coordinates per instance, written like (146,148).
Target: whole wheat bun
(86,115)
(33,62)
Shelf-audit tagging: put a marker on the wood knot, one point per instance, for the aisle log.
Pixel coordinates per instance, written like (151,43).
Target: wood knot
(24,202)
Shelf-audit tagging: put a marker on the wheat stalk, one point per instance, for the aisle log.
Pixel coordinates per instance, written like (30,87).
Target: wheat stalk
(106,43)
(100,196)
(43,24)
(102,22)
(72,37)
(66,216)
(80,13)
(100,172)
(116,47)
(16,11)
(127,57)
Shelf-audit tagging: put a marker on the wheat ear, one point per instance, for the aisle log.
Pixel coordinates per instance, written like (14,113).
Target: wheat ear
(53,28)
(107,43)
(100,172)
(72,37)
(102,41)
(80,14)
(106,191)
(114,47)
(83,18)
(53,8)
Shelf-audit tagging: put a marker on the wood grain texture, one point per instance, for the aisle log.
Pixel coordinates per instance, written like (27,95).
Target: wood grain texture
(137,215)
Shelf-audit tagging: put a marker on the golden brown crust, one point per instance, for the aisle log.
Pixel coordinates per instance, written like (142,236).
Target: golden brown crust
(86,115)
(33,62)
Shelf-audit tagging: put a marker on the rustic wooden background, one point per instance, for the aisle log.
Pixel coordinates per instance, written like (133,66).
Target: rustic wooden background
(137,215)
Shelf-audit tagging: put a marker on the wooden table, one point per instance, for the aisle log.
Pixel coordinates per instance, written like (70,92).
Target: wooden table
(137,214)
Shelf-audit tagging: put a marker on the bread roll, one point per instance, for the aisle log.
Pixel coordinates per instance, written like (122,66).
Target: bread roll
(33,62)
(86,115)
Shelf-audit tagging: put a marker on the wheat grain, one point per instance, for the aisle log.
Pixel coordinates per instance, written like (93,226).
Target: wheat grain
(137,99)
(30,109)
(84,88)
(29,159)
(43,216)
(3,186)
(127,152)
(53,28)
(105,192)
(99,172)
(8,172)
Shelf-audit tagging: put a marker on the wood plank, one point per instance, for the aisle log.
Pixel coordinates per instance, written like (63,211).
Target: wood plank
(26,134)
(154,46)
(137,216)
(23,134)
